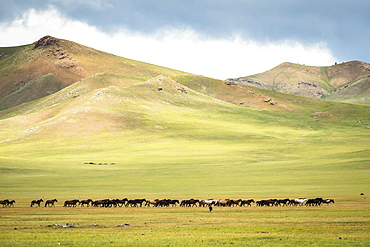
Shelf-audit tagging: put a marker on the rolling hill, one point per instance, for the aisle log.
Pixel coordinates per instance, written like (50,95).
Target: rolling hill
(64,105)
(345,82)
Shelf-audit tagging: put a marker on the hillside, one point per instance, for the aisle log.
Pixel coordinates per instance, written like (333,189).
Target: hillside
(346,82)
(167,132)
(36,70)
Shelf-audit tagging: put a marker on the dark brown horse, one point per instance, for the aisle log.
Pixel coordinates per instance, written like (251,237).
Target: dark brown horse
(86,202)
(7,203)
(36,202)
(232,203)
(11,203)
(122,202)
(246,202)
(4,203)
(189,203)
(71,203)
(50,203)
(99,203)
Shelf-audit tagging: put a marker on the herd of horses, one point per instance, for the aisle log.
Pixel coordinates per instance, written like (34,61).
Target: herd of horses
(170,202)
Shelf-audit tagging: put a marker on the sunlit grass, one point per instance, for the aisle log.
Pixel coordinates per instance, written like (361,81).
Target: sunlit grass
(344,223)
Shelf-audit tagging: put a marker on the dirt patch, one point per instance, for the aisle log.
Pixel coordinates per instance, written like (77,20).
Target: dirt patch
(324,115)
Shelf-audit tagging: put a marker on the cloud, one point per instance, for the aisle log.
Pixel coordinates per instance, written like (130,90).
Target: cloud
(180,48)
(93,4)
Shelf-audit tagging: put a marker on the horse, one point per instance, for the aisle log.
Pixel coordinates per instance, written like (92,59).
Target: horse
(100,203)
(314,202)
(163,203)
(233,202)
(4,203)
(151,202)
(300,201)
(328,201)
(71,203)
(189,203)
(222,203)
(208,202)
(173,202)
(246,202)
(85,202)
(111,203)
(122,202)
(11,203)
(140,202)
(135,202)
(37,202)
(283,202)
(50,203)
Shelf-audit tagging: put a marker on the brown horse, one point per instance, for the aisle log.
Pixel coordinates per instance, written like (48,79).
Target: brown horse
(233,202)
(222,202)
(152,202)
(71,203)
(86,202)
(99,203)
(36,202)
(4,203)
(50,203)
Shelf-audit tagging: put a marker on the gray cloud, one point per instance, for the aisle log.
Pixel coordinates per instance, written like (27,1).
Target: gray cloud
(341,25)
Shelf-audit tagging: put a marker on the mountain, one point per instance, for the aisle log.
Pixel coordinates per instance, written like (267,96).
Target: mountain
(56,87)
(345,82)
(48,65)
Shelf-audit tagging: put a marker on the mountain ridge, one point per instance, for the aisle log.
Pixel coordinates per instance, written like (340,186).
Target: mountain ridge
(111,93)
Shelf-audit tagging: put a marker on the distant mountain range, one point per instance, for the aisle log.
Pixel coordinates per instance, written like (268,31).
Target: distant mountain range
(345,82)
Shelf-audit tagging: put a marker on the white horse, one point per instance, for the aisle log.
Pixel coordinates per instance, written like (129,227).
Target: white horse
(300,201)
(209,202)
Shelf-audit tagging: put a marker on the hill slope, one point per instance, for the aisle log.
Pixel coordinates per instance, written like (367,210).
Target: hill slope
(346,82)
(33,71)
(162,128)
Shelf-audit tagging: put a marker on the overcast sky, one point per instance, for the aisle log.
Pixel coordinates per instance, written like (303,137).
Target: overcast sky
(215,38)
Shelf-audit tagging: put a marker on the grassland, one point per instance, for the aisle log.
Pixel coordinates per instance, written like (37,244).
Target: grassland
(223,151)
(210,153)
(345,223)
(179,136)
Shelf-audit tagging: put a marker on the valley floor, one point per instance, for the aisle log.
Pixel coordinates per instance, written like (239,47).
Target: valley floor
(345,223)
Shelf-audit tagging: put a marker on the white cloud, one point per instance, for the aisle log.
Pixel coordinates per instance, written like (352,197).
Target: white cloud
(177,48)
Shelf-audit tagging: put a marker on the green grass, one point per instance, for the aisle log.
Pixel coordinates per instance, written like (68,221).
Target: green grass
(344,223)
(213,153)
(200,143)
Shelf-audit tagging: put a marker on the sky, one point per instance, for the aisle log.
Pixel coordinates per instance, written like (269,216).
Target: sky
(215,38)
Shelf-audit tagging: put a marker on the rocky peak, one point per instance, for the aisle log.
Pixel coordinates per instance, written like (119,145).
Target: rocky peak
(46,41)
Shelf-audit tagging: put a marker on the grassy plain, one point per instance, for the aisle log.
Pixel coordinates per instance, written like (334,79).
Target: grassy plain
(208,154)
(345,223)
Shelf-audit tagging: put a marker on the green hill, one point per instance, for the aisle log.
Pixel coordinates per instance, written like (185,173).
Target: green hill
(346,82)
(169,133)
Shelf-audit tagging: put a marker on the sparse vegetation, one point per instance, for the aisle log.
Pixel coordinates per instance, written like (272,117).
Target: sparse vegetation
(346,82)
